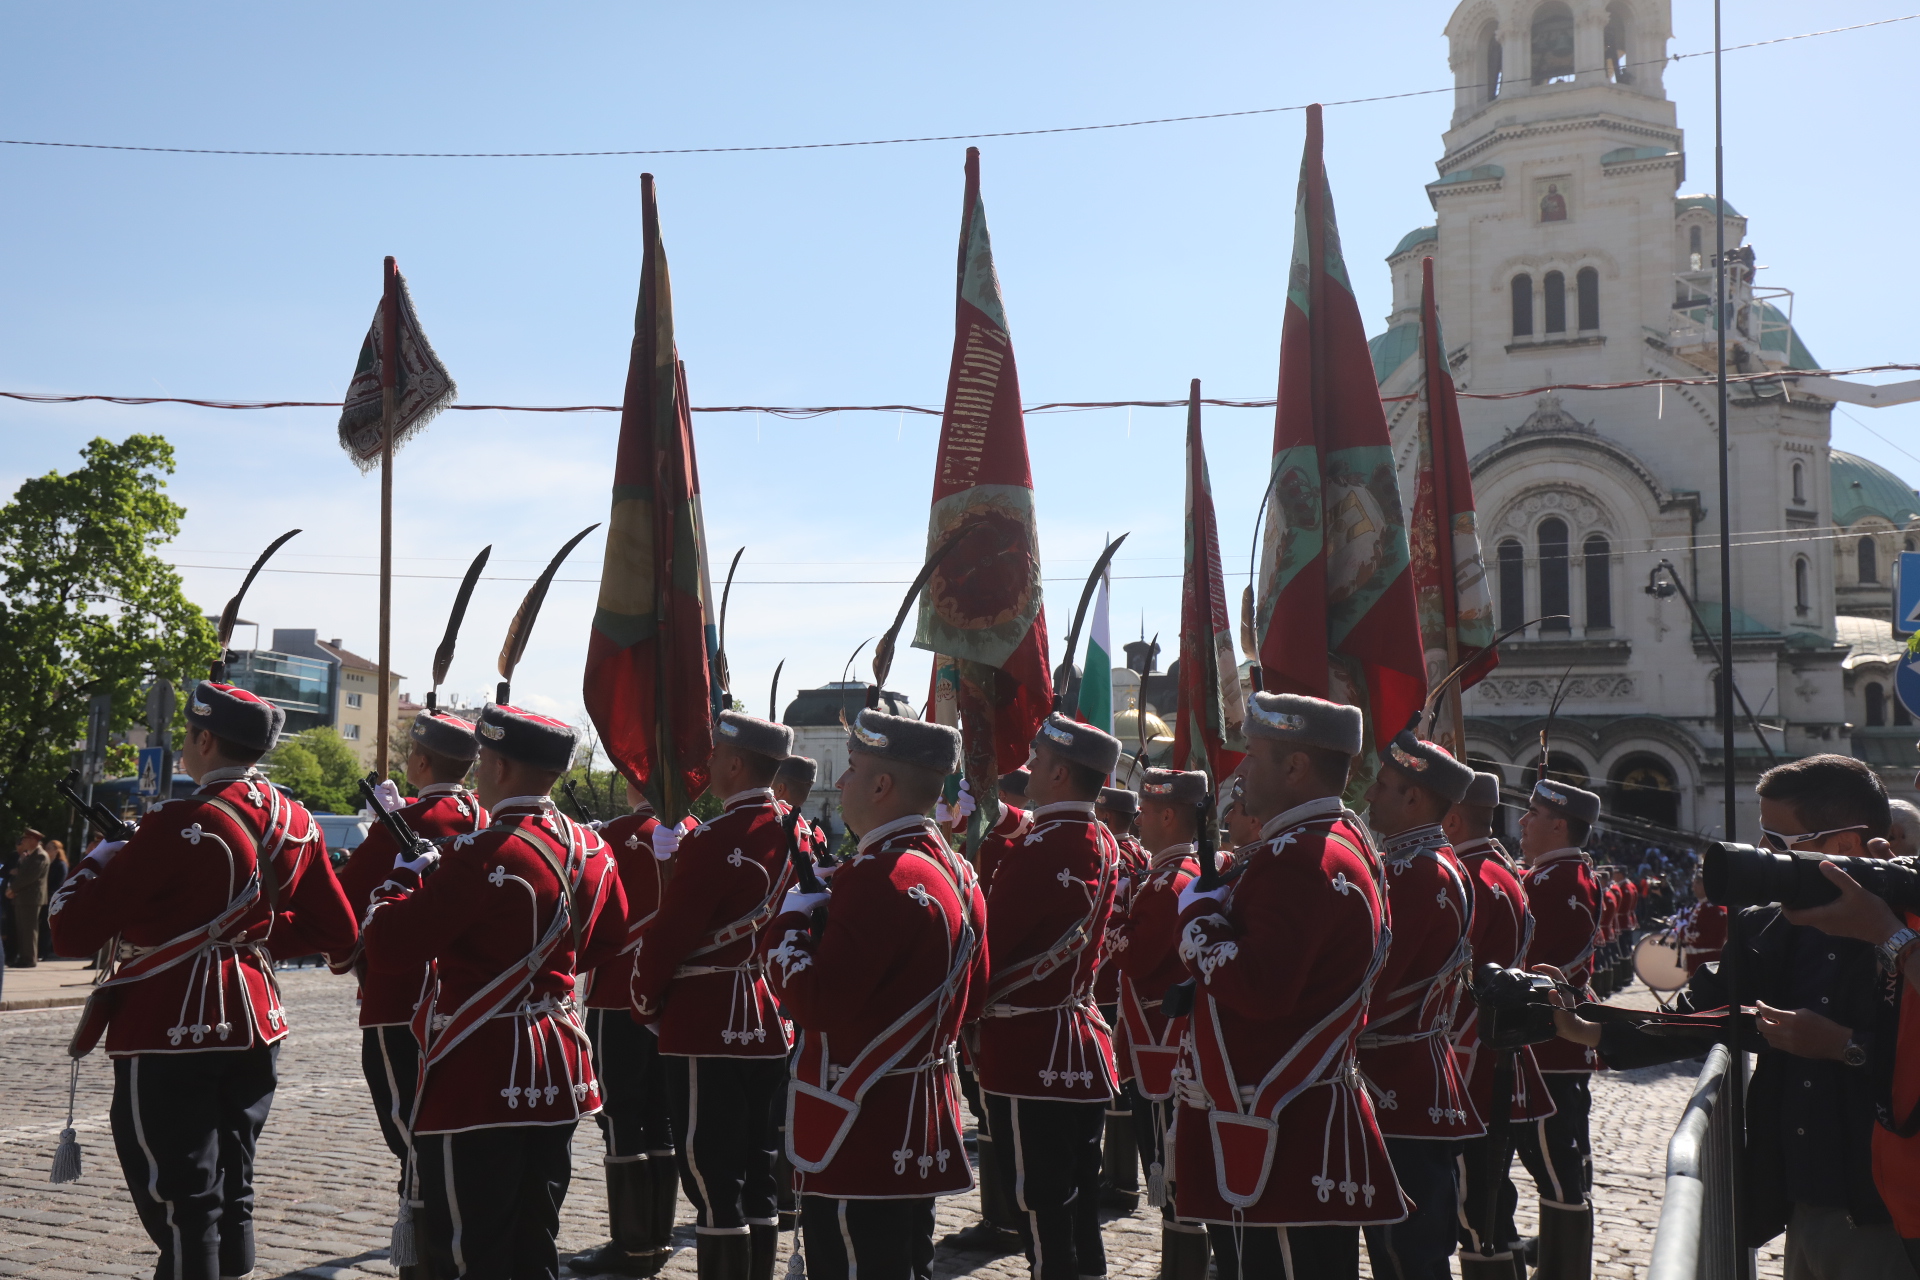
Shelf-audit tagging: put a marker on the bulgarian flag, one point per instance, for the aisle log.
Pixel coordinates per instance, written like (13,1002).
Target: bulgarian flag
(981,612)
(1206,729)
(1335,615)
(1449,572)
(650,685)
(1096,678)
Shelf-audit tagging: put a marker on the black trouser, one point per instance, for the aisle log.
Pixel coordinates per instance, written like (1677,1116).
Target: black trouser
(1150,1121)
(1555,1150)
(871,1239)
(1286,1253)
(1050,1153)
(724,1112)
(390,1060)
(184,1126)
(1418,1248)
(493,1200)
(1473,1177)
(636,1116)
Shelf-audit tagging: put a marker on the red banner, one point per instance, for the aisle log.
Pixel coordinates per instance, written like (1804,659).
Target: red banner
(1206,729)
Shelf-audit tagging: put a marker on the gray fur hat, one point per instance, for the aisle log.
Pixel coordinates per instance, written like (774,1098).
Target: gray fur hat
(1566,800)
(1484,790)
(445,735)
(1301,721)
(1173,786)
(1430,765)
(1119,802)
(1079,742)
(925,744)
(798,772)
(750,733)
(1015,783)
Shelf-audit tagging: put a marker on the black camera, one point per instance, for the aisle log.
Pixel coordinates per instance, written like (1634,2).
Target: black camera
(1516,1007)
(1739,875)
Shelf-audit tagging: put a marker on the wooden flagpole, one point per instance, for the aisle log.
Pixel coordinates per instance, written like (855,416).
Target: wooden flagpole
(389,406)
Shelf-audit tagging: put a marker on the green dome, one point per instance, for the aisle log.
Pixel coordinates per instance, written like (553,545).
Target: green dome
(1862,488)
(1416,236)
(1391,349)
(1702,202)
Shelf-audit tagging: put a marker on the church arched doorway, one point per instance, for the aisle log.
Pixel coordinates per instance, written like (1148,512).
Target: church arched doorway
(1644,787)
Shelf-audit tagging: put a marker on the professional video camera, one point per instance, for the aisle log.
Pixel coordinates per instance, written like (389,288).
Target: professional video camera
(1739,875)
(1516,1007)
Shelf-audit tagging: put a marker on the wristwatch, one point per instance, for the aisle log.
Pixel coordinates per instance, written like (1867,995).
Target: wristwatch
(1892,949)
(1854,1055)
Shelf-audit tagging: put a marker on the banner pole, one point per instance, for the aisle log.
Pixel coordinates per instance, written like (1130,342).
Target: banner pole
(389,395)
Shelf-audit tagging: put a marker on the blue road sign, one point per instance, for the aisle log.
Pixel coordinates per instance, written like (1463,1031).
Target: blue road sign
(150,771)
(1906,683)
(1906,595)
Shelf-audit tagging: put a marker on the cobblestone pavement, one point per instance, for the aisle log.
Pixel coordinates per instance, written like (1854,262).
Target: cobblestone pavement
(324,1176)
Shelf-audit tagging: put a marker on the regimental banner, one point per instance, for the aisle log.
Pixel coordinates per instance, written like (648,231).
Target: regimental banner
(982,607)
(421,383)
(1206,729)
(1335,614)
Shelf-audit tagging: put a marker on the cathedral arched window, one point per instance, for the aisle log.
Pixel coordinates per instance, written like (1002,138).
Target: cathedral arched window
(1512,564)
(1554,291)
(1597,555)
(1619,68)
(1901,719)
(1492,58)
(1552,43)
(1523,306)
(1869,561)
(1555,573)
(1876,707)
(1587,286)
(1802,586)
(1800,483)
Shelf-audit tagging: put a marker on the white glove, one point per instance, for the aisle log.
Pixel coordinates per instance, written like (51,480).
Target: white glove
(666,841)
(942,814)
(1193,893)
(103,852)
(420,865)
(966,804)
(800,900)
(388,794)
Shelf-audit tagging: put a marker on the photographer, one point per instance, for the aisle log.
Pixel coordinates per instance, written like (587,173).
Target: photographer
(1810,1103)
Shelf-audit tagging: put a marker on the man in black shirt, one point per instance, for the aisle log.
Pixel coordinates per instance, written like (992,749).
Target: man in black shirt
(1810,1104)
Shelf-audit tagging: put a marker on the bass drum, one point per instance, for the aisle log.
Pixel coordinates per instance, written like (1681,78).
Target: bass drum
(1657,962)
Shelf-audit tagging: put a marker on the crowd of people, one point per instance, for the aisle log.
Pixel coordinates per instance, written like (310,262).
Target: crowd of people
(1242,1004)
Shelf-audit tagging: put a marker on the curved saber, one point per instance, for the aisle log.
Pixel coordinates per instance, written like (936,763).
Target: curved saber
(1064,671)
(231,614)
(883,652)
(1423,719)
(773,694)
(721,671)
(1553,710)
(443,656)
(521,628)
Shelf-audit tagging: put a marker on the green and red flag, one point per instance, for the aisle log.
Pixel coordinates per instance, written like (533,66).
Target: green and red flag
(981,612)
(394,356)
(650,684)
(1206,728)
(1335,616)
(1096,672)
(1449,572)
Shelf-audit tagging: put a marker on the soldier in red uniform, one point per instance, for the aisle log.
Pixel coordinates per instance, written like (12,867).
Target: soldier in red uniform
(506,919)
(878,977)
(1146,950)
(1701,928)
(1566,909)
(1276,1146)
(207,890)
(1502,928)
(440,752)
(1045,1057)
(1406,1051)
(699,980)
(1118,809)
(635,1118)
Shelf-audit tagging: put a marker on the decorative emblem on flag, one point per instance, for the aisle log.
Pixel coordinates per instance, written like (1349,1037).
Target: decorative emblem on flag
(422,386)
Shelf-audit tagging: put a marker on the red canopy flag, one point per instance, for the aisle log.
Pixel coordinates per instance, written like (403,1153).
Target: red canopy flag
(1206,729)
(1449,573)
(1335,616)
(649,681)
(982,609)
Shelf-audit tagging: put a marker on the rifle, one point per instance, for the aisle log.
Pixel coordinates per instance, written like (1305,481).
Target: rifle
(105,821)
(1178,1002)
(405,838)
(802,865)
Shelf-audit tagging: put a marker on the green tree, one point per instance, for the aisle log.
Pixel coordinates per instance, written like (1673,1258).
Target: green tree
(319,768)
(87,607)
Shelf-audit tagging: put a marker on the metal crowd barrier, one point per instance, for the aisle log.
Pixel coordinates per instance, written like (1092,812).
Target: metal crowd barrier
(1694,1240)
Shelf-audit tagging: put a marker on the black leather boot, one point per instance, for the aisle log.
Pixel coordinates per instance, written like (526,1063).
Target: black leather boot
(630,1221)
(1507,1266)
(765,1251)
(1119,1164)
(1183,1255)
(664,1191)
(724,1257)
(1566,1243)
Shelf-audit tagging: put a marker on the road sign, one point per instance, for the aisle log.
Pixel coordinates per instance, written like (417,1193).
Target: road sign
(150,765)
(1906,595)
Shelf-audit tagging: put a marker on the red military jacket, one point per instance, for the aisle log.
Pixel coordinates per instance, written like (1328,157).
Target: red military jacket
(878,995)
(1274,1128)
(1632,890)
(1566,915)
(1146,953)
(1703,934)
(1406,1051)
(1502,928)
(1047,911)
(629,838)
(388,996)
(501,1033)
(696,973)
(1610,912)
(184,889)
(1001,838)
(1106,983)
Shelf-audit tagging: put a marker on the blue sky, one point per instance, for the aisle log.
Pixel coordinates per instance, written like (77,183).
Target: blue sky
(1131,260)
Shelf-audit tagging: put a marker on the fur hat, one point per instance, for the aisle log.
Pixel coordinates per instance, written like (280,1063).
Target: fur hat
(924,744)
(797,772)
(1119,802)
(1430,765)
(750,733)
(1014,784)
(445,735)
(1301,721)
(1174,786)
(1079,742)
(527,737)
(1484,790)
(235,714)
(1567,801)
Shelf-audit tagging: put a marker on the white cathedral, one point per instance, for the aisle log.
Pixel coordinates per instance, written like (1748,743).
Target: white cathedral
(1565,252)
